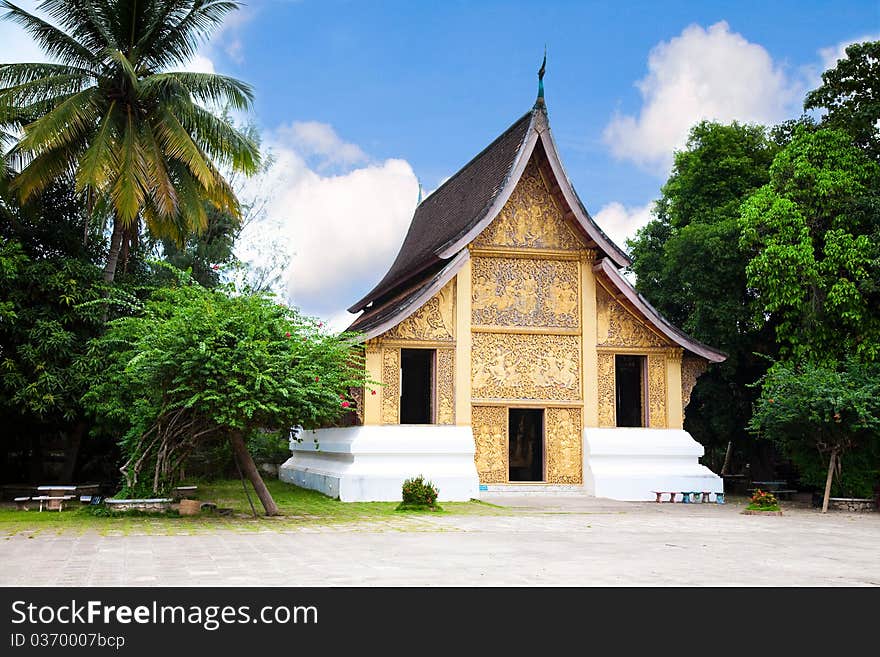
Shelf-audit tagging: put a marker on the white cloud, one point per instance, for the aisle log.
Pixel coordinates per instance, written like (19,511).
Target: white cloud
(701,74)
(620,222)
(829,56)
(318,140)
(338,232)
(200,64)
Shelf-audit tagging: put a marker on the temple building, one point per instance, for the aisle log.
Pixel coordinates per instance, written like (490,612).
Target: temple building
(510,351)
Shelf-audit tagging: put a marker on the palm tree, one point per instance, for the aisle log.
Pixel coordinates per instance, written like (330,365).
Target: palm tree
(134,136)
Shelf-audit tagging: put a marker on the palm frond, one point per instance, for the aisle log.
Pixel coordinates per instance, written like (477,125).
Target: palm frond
(87,22)
(217,137)
(71,118)
(99,162)
(42,170)
(179,42)
(128,190)
(162,192)
(178,145)
(54,42)
(211,88)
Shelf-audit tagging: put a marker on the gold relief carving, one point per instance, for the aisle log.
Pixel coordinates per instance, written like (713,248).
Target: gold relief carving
(490,437)
(445,386)
(617,327)
(513,366)
(657,391)
(606,379)
(564,456)
(391,387)
(433,321)
(530,219)
(521,292)
(691,369)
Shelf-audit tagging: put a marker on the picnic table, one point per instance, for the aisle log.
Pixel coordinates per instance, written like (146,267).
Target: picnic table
(54,495)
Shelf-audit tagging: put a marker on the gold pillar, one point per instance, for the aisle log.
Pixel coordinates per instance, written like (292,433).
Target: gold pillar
(463,345)
(674,409)
(373,402)
(589,332)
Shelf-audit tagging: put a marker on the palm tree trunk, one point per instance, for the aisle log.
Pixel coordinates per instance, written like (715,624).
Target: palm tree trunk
(113,255)
(236,438)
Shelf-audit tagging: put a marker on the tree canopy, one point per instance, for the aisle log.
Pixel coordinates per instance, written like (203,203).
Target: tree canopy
(198,363)
(134,135)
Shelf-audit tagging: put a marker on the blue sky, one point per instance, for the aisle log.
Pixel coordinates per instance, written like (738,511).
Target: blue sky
(359,100)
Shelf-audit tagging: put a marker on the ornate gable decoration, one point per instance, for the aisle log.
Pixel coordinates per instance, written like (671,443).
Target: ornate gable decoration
(618,327)
(530,219)
(435,321)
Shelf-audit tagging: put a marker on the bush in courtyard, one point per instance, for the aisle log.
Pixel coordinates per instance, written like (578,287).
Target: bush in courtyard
(763,500)
(418,494)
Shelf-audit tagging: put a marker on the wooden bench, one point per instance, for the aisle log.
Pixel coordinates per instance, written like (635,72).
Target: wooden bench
(21,503)
(52,500)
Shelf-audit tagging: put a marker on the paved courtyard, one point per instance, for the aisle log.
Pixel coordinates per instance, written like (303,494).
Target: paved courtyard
(556,541)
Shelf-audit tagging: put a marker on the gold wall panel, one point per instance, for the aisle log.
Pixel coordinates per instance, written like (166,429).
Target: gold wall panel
(657,391)
(692,367)
(530,219)
(391,386)
(564,446)
(606,382)
(445,386)
(490,437)
(524,293)
(617,327)
(433,321)
(514,366)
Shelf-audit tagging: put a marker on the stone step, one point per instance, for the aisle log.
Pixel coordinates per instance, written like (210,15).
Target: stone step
(533,489)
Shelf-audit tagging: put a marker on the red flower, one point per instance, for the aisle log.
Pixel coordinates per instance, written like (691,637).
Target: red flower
(342,396)
(287,335)
(317,379)
(345,404)
(320,324)
(372,392)
(215,267)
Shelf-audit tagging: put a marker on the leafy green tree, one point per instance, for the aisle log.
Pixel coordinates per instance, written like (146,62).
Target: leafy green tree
(815,412)
(200,364)
(689,267)
(850,96)
(813,236)
(135,137)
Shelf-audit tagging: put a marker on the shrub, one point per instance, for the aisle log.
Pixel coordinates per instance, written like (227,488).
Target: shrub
(763,500)
(419,493)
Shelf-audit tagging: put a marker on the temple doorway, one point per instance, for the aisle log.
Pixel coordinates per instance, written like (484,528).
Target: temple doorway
(526,444)
(629,375)
(416,386)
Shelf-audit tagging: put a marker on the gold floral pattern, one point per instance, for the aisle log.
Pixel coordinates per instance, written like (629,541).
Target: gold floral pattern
(445,386)
(657,391)
(692,367)
(391,386)
(522,292)
(433,321)
(564,446)
(506,366)
(530,219)
(617,327)
(490,438)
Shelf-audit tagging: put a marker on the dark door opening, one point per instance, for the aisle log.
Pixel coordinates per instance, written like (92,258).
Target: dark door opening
(416,386)
(629,390)
(526,444)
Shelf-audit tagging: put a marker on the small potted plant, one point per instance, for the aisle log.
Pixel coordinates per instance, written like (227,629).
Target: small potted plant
(763,503)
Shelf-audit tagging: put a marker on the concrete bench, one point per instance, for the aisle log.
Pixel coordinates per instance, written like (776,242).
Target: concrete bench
(698,496)
(52,500)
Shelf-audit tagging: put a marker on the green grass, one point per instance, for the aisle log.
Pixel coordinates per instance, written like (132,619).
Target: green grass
(298,507)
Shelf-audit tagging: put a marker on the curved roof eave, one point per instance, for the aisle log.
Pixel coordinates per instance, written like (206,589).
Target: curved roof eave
(419,298)
(604,267)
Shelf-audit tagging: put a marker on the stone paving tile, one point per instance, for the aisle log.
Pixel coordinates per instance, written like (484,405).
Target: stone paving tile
(560,542)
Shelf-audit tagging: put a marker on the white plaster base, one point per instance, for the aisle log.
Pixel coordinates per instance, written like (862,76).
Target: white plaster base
(370,463)
(627,464)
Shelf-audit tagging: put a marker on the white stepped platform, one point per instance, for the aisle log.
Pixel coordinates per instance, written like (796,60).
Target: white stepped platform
(627,464)
(370,463)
